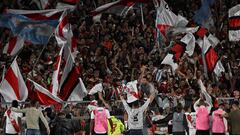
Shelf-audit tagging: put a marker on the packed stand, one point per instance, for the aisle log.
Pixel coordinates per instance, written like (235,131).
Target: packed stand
(118,50)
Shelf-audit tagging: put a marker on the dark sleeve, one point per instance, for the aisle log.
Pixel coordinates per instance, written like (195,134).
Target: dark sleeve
(185,124)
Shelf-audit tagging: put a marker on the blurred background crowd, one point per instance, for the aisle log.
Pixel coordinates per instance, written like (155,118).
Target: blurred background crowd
(117,50)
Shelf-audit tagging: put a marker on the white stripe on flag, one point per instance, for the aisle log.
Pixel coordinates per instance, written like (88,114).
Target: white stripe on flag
(13,86)
(14,45)
(79,92)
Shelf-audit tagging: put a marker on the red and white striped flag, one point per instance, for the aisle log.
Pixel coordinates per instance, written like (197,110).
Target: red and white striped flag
(211,57)
(70,78)
(186,45)
(166,18)
(14,45)
(49,14)
(234,23)
(64,34)
(44,96)
(13,86)
(96,88)
(54,88)
(79,92)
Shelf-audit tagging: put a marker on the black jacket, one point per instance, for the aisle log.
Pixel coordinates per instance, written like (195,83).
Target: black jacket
(61,126)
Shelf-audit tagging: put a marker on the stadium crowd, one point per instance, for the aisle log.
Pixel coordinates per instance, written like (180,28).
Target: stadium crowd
(118,50)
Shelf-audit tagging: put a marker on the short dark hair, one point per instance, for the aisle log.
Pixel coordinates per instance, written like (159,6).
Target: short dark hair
(100,103)
(33,102)
(235,103)
(14,103)
(179,107)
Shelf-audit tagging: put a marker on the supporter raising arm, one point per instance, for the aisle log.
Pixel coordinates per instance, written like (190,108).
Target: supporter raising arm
(135,113)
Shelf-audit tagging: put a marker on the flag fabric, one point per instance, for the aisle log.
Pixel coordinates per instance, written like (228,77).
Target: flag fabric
(14,45)
(63,31)
(166,18)
(79,92)
(168,60)
(33,26)
(69,79)
(61,5)
(189,40)
(119,7)
(54,88)
(234,23)
(185,45)
(182,30)
(49,14)
(203,14)
(64,34)
(96,88)
(211,57)
(13,86)
(44,96)
(38,32)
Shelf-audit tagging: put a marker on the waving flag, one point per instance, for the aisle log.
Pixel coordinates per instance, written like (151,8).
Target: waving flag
(14,45)
(44,96)
(49,14)
(54,88)
(213,62)
(64,34)
(203,14)
(79,92)
(166,18)
(234,23)
(13,86)
(34,26)
(185,45)
(96,88)
(70,78)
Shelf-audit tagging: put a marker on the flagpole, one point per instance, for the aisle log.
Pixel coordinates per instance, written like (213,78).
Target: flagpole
(141,7)
(44,47)
(204,61)
(4,70)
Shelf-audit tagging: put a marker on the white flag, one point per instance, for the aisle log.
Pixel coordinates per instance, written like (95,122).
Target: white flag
(13,86)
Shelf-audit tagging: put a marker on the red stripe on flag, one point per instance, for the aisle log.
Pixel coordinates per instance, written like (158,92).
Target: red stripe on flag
(13,81)
(201,32)
(70,83)
(178,51)
(44,99)
(211,59)
(71,1)
(234,22)
(162,28)
(62,24)
(38,16)
(11,44)
(74,43)
(57,62)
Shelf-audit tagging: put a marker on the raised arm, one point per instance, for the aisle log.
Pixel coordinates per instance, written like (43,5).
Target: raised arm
(18,110)
(195,106)
(204,92)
